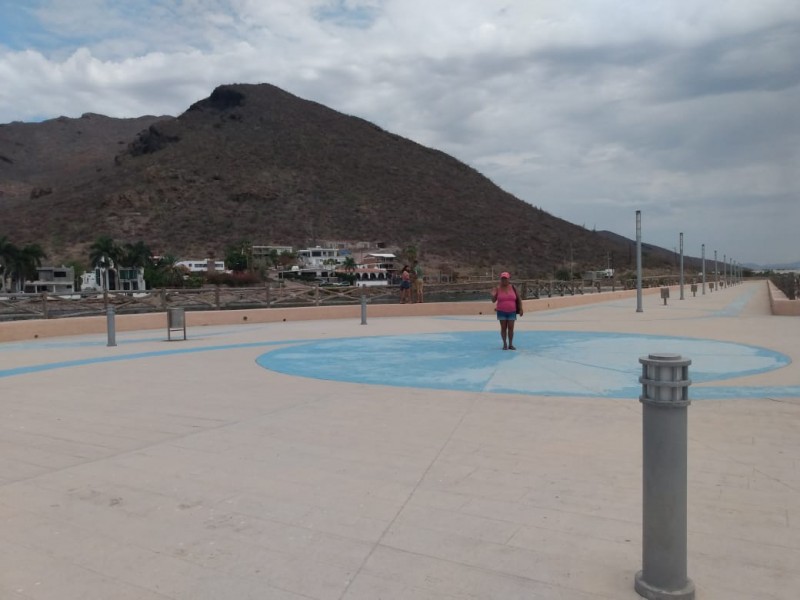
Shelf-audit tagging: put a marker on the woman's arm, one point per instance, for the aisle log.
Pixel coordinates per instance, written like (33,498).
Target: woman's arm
(494,295)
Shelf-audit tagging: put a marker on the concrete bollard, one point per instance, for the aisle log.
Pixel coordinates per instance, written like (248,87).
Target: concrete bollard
(665,401)
(111,326)
(363,308)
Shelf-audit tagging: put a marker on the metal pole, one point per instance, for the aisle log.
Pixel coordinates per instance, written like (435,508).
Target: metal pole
(665,402)
(363,307)
(716,271)
(110,327)
(725,269)
(638,261)
(704,268)
(681,265)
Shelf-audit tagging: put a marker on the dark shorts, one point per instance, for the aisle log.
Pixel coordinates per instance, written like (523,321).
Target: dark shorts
(506,316)
(404,285)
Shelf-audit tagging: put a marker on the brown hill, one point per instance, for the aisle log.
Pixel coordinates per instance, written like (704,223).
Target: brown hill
(254,162)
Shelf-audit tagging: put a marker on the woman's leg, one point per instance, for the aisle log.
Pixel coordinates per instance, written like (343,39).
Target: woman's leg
(511,335)
(503,332)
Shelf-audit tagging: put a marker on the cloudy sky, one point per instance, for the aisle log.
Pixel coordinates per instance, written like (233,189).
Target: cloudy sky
(590,109)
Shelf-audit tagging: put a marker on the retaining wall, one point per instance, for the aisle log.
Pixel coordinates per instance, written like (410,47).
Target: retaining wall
(780,304)
(40,328)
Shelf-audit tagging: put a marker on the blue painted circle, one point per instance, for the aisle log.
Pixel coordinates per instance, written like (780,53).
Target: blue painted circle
(551,363)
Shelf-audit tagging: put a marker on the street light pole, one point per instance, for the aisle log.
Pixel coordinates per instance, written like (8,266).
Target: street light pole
(703,247)
(681,244)
(639,261)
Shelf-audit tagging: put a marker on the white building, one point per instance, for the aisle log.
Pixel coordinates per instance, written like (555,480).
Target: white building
(318,257)
(114,279)
(53,280)
(262,251)
(203,265)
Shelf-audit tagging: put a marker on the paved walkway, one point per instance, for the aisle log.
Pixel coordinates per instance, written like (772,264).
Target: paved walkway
(410,458)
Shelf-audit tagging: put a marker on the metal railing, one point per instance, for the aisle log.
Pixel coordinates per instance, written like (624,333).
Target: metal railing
(49,306)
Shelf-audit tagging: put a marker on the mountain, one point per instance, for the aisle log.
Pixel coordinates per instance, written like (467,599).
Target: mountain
(257,163)
(794,266)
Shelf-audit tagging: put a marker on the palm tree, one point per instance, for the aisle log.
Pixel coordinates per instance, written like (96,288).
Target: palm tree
(349,264)
(165,272)
(23,264)
(7,253)
(135,255)
(104,253)
(103,249)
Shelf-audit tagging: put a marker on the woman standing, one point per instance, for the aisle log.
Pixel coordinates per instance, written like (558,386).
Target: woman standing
(405,285)
(508,306)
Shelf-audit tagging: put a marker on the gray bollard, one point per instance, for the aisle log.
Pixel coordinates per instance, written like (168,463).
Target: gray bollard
(110,327)
(363,308)
(665,400)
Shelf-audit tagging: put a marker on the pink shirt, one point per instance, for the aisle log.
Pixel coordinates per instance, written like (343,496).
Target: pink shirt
(506,299)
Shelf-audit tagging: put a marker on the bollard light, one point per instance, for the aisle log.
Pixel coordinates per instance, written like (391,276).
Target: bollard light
(363,307)
(111,326)
(665,400)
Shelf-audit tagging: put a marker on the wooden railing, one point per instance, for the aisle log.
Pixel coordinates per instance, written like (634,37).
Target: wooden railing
(48,306)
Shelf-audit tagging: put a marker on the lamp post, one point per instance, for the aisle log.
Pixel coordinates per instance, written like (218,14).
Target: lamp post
(703,248)
(681,245)
(639,261)
(716,271)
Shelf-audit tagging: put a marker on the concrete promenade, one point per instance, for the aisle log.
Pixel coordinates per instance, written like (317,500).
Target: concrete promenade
(407,459)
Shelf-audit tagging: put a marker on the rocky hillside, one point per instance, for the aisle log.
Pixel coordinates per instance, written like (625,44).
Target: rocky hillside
(255,162)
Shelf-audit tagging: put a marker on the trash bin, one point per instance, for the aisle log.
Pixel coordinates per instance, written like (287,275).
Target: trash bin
(176,321)
(665,294)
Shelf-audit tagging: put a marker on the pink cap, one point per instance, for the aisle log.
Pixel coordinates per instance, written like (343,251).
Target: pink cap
(505,274)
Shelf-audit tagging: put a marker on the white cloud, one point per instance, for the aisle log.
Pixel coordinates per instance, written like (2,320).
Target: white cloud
(589,109)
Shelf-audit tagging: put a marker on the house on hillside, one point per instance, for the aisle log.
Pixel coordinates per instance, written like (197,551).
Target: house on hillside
(114,279)
(318,257)
(264,251)
(382,260)
(53,280)
(203,265)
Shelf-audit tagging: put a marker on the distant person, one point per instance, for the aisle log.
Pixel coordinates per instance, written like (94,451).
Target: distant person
(509,305)
(405,285)
(418,282)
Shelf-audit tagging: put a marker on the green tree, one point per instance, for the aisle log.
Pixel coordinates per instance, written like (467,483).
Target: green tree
(237,256)
(349,264)
(136,255)
(103,249)
(410,254)
(23,263)
(7,253)
(164,273)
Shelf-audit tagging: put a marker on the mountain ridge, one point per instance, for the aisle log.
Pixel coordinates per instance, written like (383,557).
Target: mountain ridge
(255,162)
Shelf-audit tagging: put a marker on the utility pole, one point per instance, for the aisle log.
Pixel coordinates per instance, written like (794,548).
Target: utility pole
(639,261)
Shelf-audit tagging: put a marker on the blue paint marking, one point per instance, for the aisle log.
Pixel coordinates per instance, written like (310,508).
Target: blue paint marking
(123,357)
(93,343)
(735,308)
(551,363)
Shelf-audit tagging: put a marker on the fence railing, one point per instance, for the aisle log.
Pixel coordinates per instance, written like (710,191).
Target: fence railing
(49,306)
(788,283)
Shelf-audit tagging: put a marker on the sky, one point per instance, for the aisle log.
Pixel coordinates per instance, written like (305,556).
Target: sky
(589,109)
